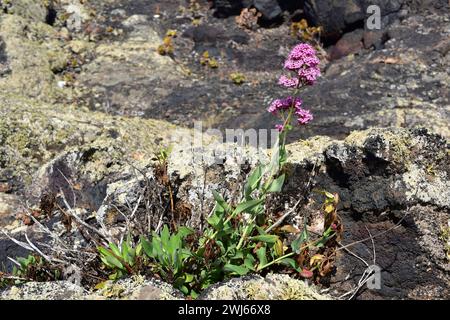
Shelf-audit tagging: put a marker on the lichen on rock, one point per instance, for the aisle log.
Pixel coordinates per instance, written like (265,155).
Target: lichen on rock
(272,287)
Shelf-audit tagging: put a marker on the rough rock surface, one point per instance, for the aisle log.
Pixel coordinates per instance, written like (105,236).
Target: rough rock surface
(36,10)
(134,288)
(68,94)
(272,287)
(61,290)
(111,65)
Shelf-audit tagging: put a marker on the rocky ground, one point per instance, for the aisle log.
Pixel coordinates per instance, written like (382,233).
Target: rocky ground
(86,102)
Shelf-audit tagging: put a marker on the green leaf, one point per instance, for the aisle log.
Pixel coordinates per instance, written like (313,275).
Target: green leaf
(261,254)
(220,201)
(147,247)
(165,236)
(139,249)
(253,181)
(23,262)
(301,239)
(240,270)
(323,241)
(215,221)
(184,232)
(247,206)
(249,262)
(125,251)
(113,261)
(290,263)
(174,244)
(267,238)
(277,184)
(115,249)
(238,255)
(194,294)
(184,289)
(260,230)
(188,278)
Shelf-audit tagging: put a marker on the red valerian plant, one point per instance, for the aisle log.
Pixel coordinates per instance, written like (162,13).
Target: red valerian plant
(303,65)
(241,237)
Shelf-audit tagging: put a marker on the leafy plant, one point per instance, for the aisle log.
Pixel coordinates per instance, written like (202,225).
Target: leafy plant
(237,78)
(30,268)
(121,258)
(169,254)
(304,32)
(240,237)
(207,60)
(166,47)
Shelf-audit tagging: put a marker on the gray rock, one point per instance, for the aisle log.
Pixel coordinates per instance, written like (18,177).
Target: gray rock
(270,9)
(61,290)
(133,288)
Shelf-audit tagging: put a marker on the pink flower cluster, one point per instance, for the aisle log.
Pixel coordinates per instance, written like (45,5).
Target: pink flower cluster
(303,116)
(284,104)
(303,61)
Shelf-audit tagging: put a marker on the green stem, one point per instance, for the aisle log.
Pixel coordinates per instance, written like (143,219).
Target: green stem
(244,234)
(275,261)
(289,254)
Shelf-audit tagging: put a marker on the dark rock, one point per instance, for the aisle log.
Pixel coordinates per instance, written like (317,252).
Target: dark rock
(4,69)
(374,39)
(339,17)
(269,8)
(226,8)
(209,35)
(350,43)
(383,179)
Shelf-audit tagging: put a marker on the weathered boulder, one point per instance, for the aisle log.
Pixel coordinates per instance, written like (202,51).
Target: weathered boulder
(136,288)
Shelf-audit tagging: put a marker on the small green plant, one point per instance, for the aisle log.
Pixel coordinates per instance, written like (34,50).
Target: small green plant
(304,32)
(122,259)
(237,78)
(207,60)
(30,268)
(166,48)
(169,255)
